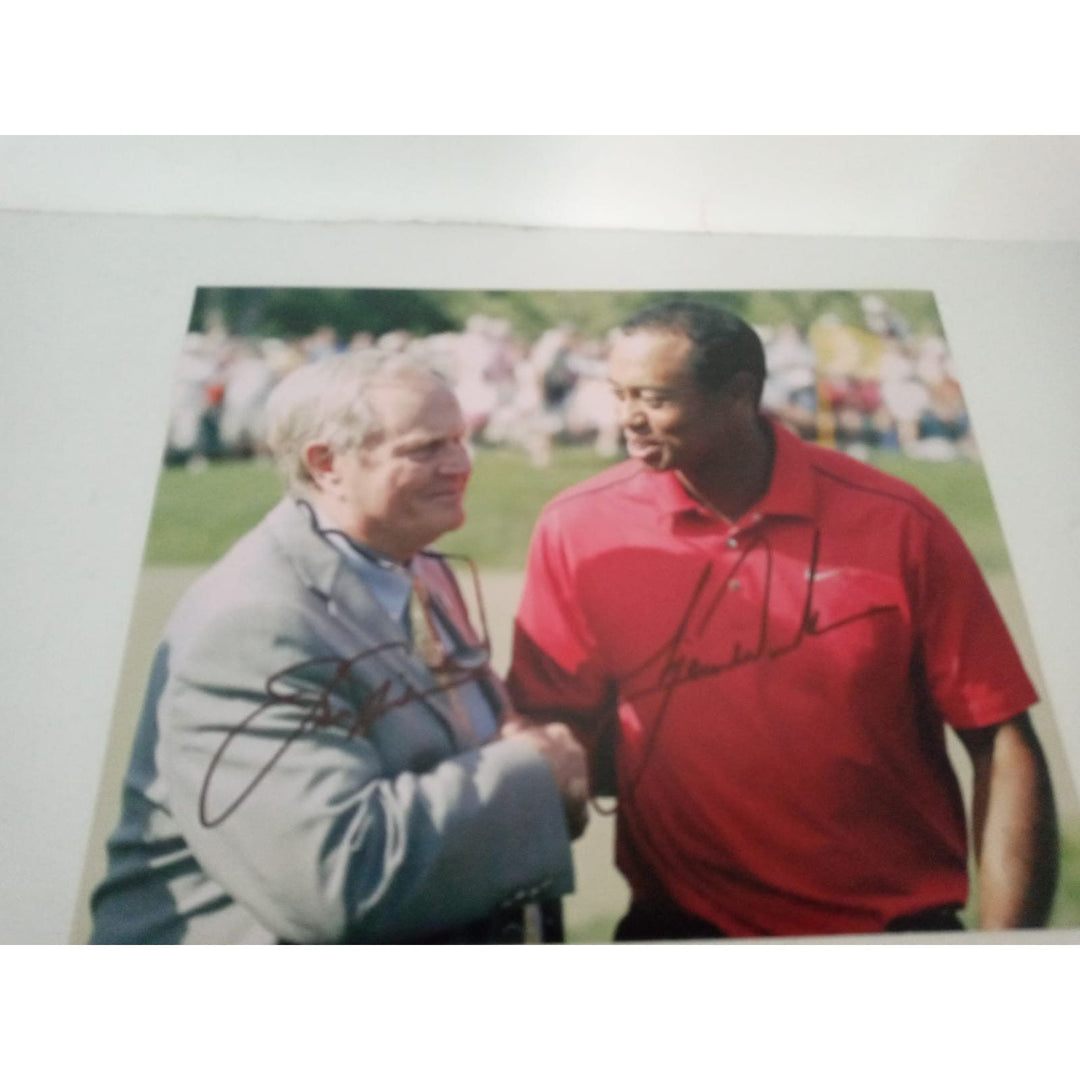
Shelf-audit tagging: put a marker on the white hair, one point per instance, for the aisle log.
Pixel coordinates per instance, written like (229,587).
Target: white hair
(328,401)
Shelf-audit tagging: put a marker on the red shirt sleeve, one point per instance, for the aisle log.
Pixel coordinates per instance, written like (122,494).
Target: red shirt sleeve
(556,670)
(974,673)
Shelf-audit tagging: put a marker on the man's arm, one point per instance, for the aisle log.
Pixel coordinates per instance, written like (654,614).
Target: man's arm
(1014,823)
(332,824)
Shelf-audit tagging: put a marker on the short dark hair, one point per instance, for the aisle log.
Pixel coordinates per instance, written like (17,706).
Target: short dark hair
(723,344)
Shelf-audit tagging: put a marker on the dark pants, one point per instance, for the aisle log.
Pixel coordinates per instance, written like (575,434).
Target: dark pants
(669,923)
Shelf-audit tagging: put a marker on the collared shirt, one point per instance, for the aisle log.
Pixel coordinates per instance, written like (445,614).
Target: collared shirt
(391,584)
(388,581)
(781,684)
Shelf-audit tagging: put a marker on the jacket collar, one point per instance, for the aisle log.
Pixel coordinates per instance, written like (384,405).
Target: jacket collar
(325,571)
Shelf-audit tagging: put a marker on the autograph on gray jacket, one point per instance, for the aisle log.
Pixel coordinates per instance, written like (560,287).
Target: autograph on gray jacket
(325,679)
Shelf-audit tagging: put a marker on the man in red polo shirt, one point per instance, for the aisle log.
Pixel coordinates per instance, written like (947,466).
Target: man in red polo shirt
(773,636)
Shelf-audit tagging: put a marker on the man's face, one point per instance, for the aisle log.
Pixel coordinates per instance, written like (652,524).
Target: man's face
(668,420)
(404,487)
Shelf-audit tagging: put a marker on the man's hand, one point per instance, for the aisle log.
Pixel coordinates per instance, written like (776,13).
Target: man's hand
(566,759)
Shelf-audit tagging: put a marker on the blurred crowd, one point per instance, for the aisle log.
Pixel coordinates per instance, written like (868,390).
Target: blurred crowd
(875,386)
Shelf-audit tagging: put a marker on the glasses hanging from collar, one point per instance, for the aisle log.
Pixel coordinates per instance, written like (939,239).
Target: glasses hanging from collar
(461,656)
(464,656)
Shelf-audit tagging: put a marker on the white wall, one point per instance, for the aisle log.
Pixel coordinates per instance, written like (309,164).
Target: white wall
(913,187)
(92,308)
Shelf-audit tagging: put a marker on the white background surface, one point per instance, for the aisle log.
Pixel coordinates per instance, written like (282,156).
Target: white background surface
(917,187)
(103,242)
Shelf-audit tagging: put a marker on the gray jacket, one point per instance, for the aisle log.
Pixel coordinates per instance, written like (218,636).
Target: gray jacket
(295,776)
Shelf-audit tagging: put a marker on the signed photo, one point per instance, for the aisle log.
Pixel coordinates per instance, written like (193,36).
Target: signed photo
(762,666)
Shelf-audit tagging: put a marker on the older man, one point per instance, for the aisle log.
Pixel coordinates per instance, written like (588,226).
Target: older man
(776,637)
(324,754)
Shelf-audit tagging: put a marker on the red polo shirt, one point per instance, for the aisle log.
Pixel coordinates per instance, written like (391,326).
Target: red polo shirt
(780,685)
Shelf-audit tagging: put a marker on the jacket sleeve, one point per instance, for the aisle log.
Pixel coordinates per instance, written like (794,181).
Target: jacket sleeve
(335,809)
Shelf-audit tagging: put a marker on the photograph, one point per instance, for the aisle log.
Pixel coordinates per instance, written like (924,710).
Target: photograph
(578,616)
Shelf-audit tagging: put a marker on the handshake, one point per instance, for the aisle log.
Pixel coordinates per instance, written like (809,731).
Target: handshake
(566,759)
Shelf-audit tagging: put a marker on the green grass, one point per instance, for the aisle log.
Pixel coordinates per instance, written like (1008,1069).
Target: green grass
(505,497)
(1066,910)
(197,515)
(598,930)
(961,489)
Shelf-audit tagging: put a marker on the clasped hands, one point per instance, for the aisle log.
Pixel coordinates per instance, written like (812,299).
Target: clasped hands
(565,756)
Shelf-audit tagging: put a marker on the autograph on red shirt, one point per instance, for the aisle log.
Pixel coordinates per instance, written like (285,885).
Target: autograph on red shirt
(309,687)
(682,659)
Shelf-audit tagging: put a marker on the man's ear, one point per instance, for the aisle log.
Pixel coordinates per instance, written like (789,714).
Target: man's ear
(743,385)
(320,464)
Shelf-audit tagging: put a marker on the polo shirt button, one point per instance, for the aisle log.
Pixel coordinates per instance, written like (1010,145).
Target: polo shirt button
(732,542)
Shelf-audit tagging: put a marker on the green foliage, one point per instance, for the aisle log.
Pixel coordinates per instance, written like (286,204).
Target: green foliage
(291,313)
(531,313)
(288,313)
(802,308)
(917,307)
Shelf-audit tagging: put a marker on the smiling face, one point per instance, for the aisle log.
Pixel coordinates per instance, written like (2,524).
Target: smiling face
(404,487)
(712,439)
(669,421)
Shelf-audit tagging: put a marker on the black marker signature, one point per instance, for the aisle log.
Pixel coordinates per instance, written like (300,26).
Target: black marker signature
(677,661)
(317,712)
(681,660)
